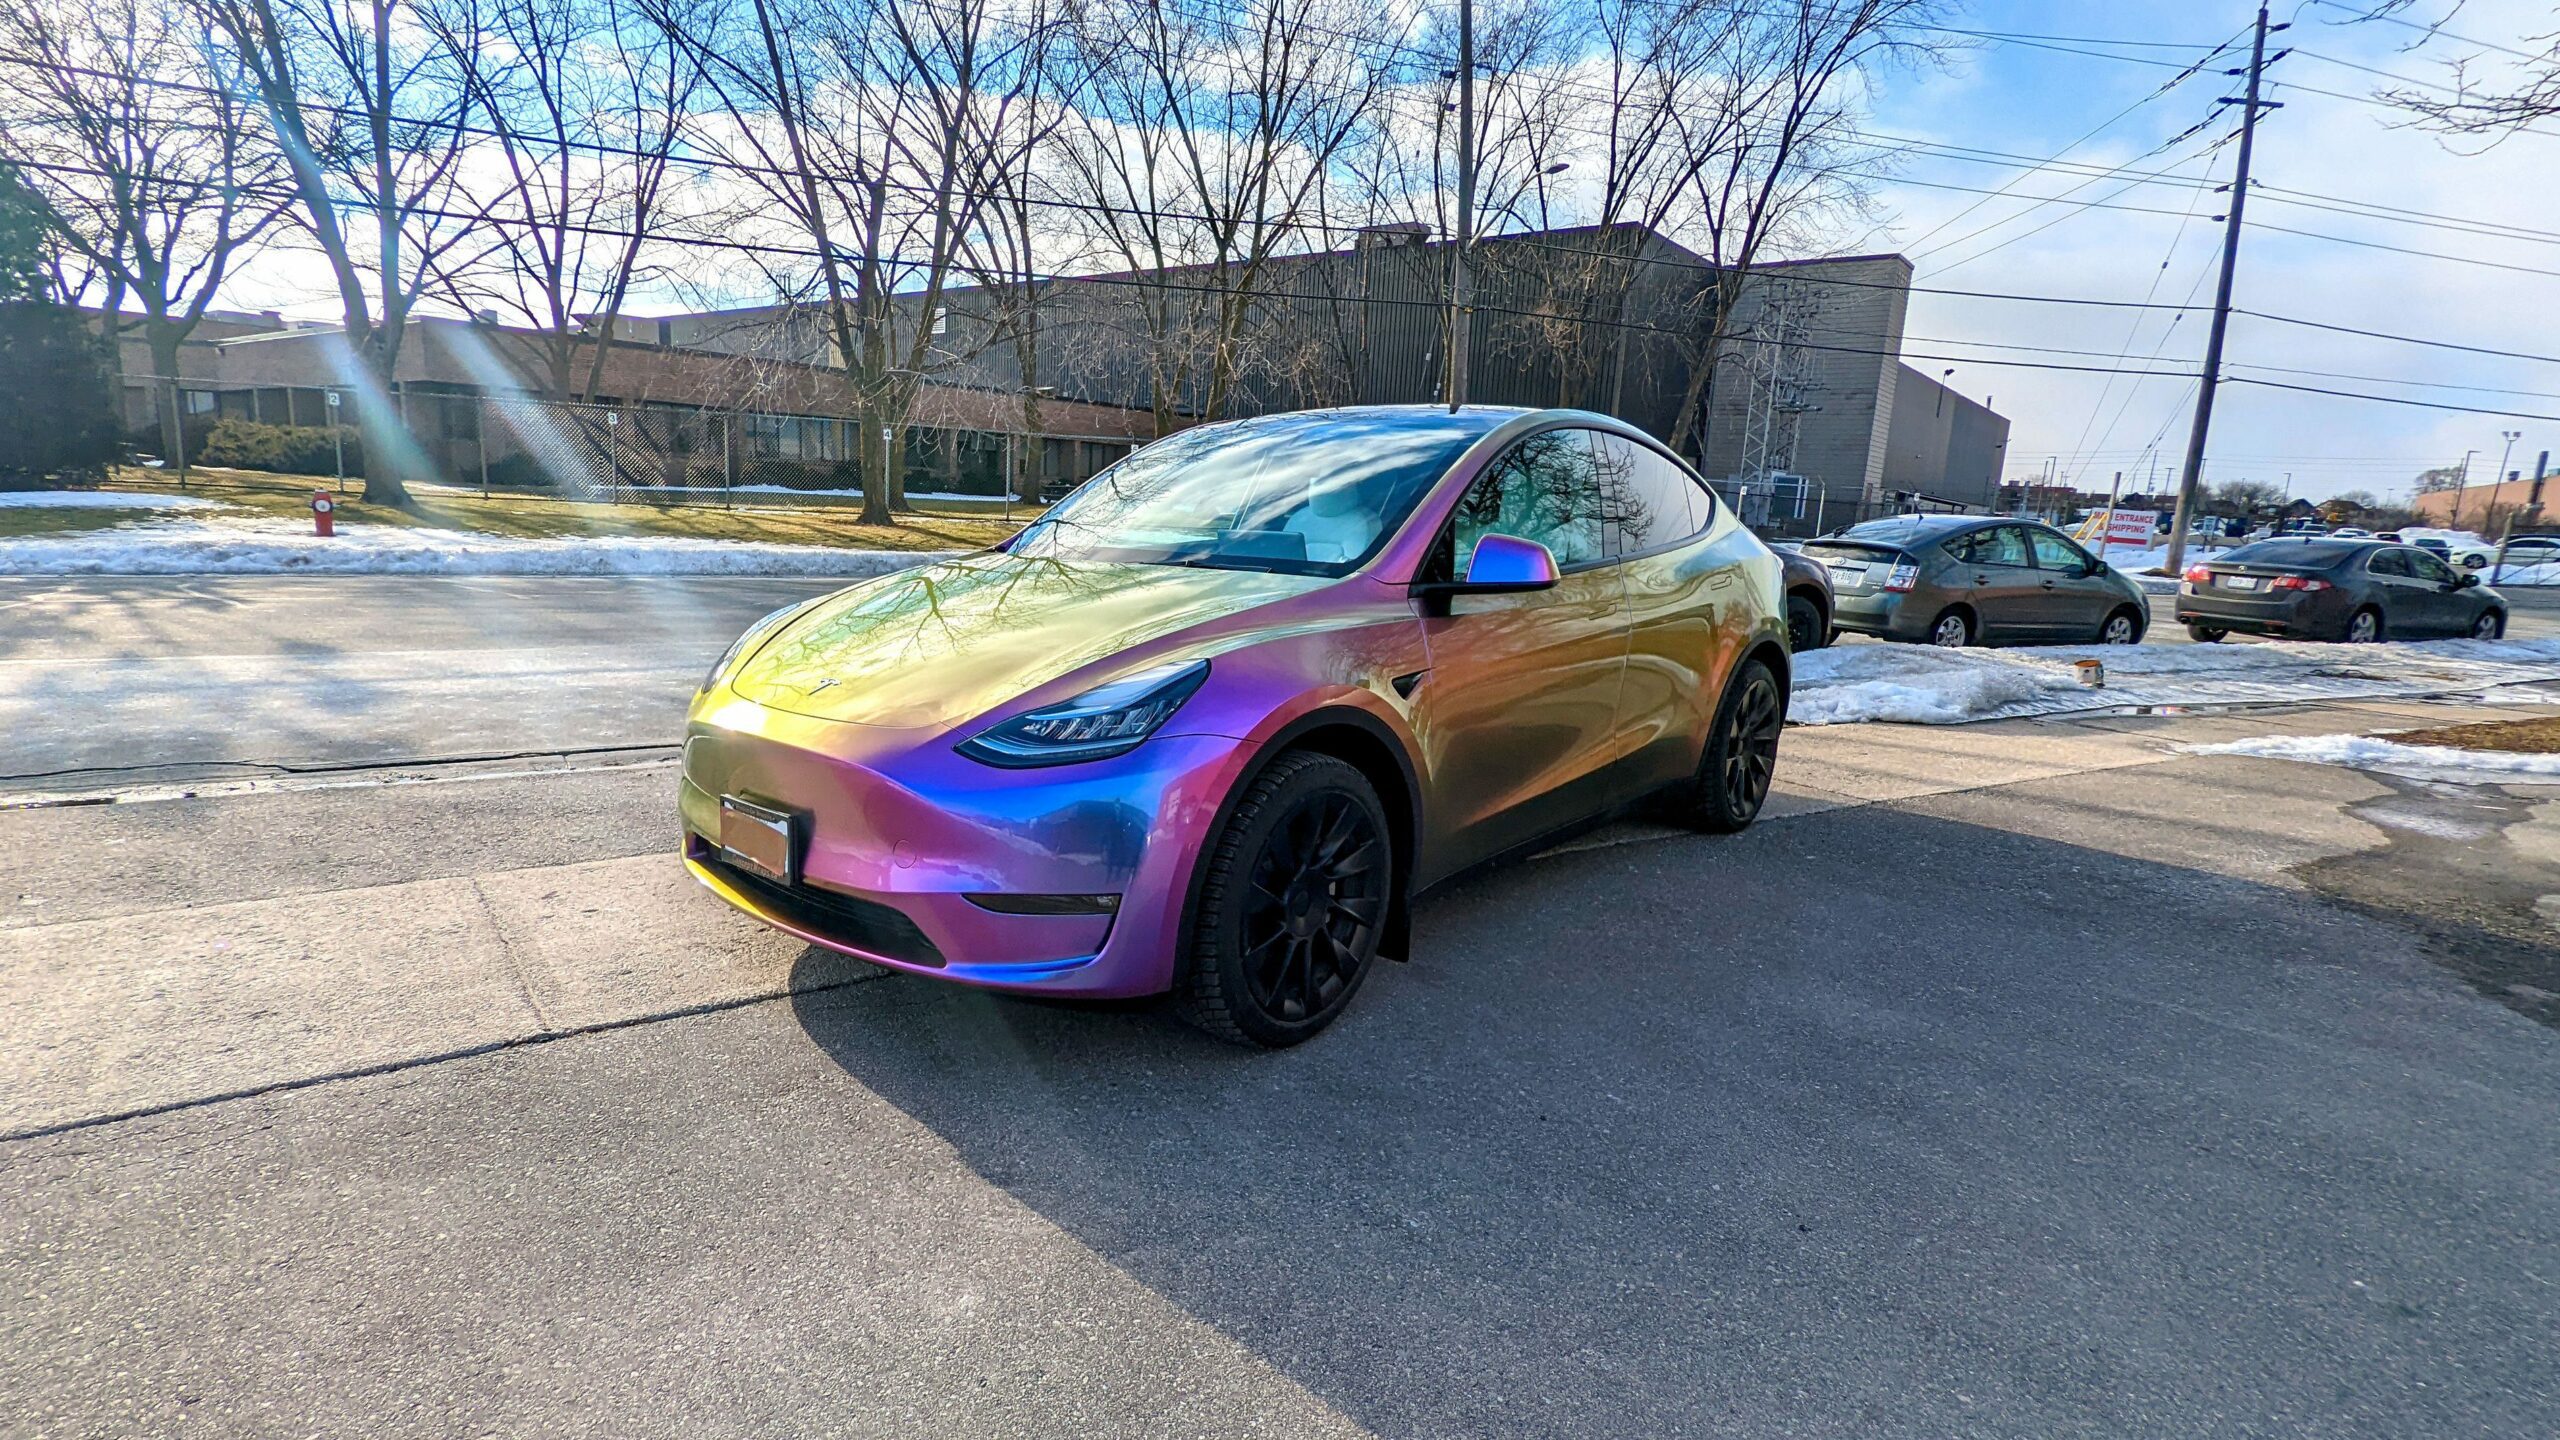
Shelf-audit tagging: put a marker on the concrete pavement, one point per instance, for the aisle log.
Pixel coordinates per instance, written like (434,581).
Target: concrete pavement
(2027,1079)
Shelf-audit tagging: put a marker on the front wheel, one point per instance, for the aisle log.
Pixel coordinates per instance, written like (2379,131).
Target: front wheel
(2490,626)
(1293,904)
(2122,628)
(1741,754)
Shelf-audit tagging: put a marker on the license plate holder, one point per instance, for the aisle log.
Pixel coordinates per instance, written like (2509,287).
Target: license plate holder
(2241,582)
(761,839)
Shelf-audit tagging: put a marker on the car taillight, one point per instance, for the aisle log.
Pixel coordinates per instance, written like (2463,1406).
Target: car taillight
(2198,575)
(2297,582)
(1902,577)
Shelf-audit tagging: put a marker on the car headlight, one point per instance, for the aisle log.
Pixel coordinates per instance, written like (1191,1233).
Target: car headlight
(1102,722)
(745,645)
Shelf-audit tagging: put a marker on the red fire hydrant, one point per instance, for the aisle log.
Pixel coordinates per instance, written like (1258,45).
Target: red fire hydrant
(323,521)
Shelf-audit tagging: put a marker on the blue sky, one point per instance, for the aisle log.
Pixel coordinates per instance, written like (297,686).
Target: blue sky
(2013,97)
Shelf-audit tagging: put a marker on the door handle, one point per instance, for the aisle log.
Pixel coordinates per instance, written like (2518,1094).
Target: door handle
(1981,579)
(2048,584)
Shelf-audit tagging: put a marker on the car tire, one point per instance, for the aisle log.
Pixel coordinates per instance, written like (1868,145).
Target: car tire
(1805,627)
(1293,902)
(2492,625)
(2364,627)
(2205,634)
(1954,629)
(1741,754)
(2123,626)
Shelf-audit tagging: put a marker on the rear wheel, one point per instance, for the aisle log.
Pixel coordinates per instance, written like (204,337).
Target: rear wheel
(1952,630)
(2205,634)
(2489,626)
(1805,630)
(2122,628)
(1293,904)
(1741,755)
(2364,627)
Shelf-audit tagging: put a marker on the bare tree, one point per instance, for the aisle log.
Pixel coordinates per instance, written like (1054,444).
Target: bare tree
(359,97)
(1757,149)
(582,106)
(126,124)
(2469,104)
(1199,152)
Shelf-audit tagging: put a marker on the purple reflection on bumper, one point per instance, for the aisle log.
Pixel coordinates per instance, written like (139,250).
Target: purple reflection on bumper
(896,818)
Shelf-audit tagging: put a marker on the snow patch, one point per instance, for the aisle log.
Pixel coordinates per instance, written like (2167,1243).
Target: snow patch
(2371,752)
(99,500)
(1918,684)
(218,547)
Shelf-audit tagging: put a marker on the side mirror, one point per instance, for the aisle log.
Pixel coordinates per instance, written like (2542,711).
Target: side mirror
(1504,563)
(2096,567)
(2466,582)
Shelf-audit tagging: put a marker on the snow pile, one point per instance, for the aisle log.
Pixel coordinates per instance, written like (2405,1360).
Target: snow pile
(99,500)
(262,547)
(1918,684)
(2369,752)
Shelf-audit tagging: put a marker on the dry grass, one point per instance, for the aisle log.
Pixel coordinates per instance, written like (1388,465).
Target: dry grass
(2530,737)
(289,497)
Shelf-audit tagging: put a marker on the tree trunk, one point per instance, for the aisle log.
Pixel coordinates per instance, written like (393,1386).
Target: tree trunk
(163,340)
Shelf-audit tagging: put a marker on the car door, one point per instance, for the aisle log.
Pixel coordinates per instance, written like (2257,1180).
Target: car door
(1517,716)
(1996,574)
(2073,597)
(1689,603)
(2437,595)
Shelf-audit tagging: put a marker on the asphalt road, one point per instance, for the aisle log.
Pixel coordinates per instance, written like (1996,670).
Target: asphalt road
(2026,1080)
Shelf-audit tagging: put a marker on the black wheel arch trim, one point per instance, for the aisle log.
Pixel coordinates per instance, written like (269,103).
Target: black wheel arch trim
(1404,822)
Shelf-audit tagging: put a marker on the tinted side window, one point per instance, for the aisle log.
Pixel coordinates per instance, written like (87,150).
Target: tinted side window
(1648,500)
(1547,489)
(1999,545)
(2387,562)
(2427,567)
(2053,552)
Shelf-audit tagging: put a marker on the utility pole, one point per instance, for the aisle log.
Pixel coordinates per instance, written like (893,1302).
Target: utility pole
(2461,482)
(1461,311)
(2249,105)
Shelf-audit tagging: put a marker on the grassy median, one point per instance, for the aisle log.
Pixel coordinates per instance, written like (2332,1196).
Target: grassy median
(531,517)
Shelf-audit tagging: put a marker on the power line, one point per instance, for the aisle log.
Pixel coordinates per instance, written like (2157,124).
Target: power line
(2403,339)
(2393,399)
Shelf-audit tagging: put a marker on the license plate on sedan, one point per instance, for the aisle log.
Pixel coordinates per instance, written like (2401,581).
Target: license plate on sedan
(760,839)
(2241,582)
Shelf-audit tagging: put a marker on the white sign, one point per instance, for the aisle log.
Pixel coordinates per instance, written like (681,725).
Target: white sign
(2130,527)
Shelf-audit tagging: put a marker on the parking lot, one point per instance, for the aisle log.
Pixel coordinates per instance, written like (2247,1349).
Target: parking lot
(2028,1078)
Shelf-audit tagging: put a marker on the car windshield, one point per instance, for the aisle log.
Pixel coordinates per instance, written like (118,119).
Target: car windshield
(2312,554)
(1302,494)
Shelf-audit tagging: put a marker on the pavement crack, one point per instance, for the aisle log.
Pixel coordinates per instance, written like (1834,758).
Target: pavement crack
(514,962)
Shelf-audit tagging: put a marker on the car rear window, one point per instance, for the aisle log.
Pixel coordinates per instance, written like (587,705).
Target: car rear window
(1847,550)
(2311,554)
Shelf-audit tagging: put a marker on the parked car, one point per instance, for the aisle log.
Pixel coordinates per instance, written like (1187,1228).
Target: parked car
(1809,604)
(1976,580)
(2459,546)
(2350,532)
(1208,729)
(1058,488)
(2351,590)
(2532,550)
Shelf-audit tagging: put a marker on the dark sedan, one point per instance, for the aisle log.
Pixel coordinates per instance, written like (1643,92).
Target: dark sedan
(1973,580)
(1808,583)
(2353,590)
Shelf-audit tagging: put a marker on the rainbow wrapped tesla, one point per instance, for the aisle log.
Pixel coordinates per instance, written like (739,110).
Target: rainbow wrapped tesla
(1210,724)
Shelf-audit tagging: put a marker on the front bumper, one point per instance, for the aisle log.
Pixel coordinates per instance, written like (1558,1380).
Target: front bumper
(898,822)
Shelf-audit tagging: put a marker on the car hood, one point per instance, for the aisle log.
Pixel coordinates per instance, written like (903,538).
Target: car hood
(943,643)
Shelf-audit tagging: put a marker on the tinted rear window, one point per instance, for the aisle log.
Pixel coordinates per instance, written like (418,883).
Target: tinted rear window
(2308,554)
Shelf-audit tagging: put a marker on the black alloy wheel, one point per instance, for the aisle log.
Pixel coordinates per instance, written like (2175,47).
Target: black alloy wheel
(1294,904)
(1741,753)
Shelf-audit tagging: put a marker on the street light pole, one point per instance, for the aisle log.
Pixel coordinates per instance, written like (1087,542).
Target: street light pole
(2497,479)
(2461,482)
(1461,312)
